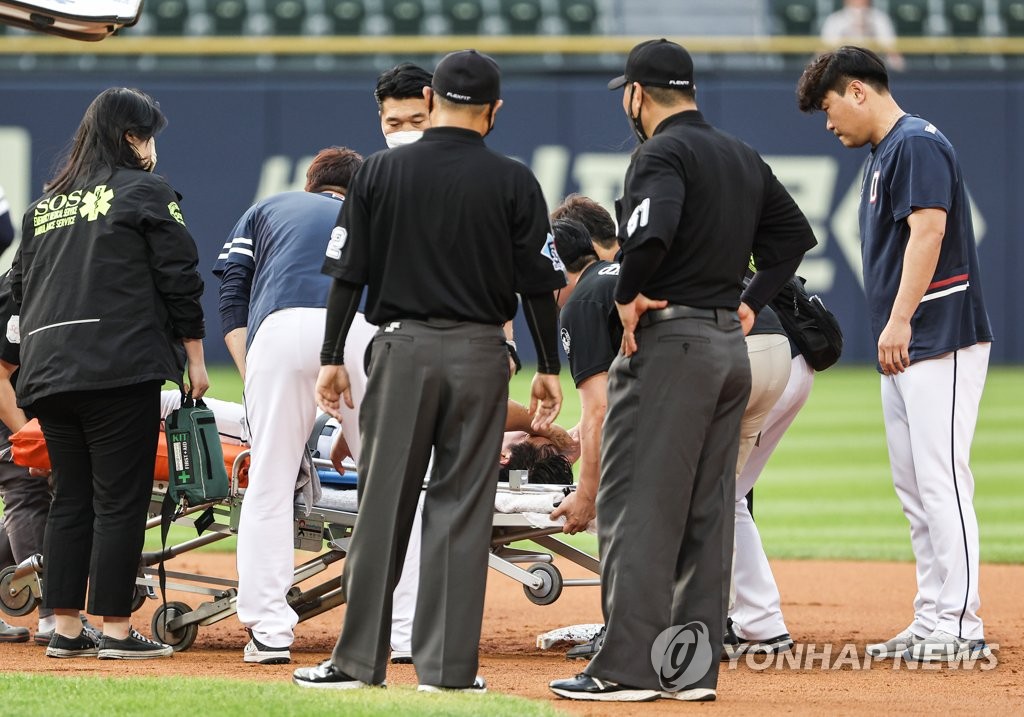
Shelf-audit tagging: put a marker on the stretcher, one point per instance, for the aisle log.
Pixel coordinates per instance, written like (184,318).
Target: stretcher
(521,514)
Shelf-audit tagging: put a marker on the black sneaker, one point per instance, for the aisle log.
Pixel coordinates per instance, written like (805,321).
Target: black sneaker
(327,676)
(81,646)
(588,687)
(255,651)
(730,643)
(401,657)
(588,649)
(43,638)
(478,687)
(133,647)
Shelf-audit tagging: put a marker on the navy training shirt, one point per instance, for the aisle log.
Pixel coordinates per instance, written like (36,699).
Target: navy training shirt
(915,167)
(281,240)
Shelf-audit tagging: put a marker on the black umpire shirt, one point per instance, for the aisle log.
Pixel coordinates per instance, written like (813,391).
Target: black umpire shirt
(444,228)
(591,331)
(703,195)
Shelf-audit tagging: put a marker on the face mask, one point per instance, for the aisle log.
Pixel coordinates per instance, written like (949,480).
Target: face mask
(638,125)
(399,139)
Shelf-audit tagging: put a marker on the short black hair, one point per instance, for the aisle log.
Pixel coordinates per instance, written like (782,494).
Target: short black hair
(834,70)
(593,216)
(545,464)
(669,96)
(402,82)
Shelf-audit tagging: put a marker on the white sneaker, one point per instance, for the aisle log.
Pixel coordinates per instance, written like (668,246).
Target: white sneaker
(943,646)
(894,646)
(697,694)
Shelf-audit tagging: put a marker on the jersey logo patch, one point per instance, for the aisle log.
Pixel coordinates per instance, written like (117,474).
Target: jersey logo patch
(640,217)
(566,340)
(338,238)
(549,251)
(931,128)
(610,270)
(14,330)
(873,197)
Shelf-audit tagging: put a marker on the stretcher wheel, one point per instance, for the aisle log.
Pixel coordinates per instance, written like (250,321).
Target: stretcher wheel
(20,603)
(139,598)
(180,639)
(550,590)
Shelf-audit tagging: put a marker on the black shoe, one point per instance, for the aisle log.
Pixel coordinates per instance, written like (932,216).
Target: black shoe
(478,687)
(730,643)
(327,676)
(256,651)
(588,649)
(12,633)
(133,647)
(81,646)
(772,645)
(43,638)
(588,687)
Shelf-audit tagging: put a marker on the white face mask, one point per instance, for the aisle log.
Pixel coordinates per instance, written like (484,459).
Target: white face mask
(398,139)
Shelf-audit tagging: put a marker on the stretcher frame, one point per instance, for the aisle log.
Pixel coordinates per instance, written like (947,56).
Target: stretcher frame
(177,624)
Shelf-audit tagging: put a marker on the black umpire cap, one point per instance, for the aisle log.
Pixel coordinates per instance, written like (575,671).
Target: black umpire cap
(661,63)
(467,77)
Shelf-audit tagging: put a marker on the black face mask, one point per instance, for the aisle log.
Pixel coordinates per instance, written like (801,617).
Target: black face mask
(637,122)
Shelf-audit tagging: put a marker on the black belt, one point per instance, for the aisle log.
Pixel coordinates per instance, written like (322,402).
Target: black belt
(678,311)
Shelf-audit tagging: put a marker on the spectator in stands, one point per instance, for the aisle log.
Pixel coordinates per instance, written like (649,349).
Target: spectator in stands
(858,21)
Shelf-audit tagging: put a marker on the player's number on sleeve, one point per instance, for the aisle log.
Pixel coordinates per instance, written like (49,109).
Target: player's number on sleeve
(639,217)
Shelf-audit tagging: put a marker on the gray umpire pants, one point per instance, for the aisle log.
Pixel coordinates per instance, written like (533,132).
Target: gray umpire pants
(431,384)
(665,504)
(26,504)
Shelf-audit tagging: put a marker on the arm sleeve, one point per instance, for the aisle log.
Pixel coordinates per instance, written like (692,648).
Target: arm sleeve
(541,314)
(767,283)
(636,268)
(924,177)
(342,303)
(538,267)
(235,290)
(173,260)
(6,225)
(657,190)
(783,231)
(348,250)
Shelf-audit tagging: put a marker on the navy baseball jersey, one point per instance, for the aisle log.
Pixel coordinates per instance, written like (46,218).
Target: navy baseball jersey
(915,167)
(281,241)
(591,331)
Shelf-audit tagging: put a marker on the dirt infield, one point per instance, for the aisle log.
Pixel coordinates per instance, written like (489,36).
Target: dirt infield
(825,603)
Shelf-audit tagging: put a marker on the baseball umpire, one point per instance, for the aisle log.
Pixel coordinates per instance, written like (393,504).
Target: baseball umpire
(444,233)
(696,204)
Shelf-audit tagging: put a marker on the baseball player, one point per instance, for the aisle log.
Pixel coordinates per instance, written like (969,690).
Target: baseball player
(272,300)
(928,317)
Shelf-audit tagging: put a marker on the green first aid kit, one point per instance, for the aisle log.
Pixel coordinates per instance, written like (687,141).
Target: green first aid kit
(194,456)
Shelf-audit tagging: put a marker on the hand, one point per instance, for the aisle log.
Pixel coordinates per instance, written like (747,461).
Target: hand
(629,315)
(545,401)
(747,317)
(198,380)
(331,386)
(566,444)
(39,472)
(894,347)
(578,509)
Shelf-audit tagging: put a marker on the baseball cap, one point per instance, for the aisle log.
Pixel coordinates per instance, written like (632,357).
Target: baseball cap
(467,77)
(572,240)
(662,63)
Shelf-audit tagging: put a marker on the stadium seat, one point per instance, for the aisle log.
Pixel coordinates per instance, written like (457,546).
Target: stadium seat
(579,16)
(227,17)
(522,17)
(345,17)
(167,16)
(287,17)
(1011,12)
(406,16)
(964,17)
(796,17)
(910,17)
(464,16)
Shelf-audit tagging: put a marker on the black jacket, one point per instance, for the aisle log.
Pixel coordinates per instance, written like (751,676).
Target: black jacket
(107,286)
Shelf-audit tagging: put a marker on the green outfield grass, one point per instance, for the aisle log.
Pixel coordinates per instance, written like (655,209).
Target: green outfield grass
(91,696)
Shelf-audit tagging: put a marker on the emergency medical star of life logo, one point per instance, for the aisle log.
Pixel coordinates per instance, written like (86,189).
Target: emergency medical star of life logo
(681,655)
(96,202)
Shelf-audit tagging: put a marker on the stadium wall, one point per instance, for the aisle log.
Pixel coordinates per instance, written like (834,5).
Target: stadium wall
(234,139)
